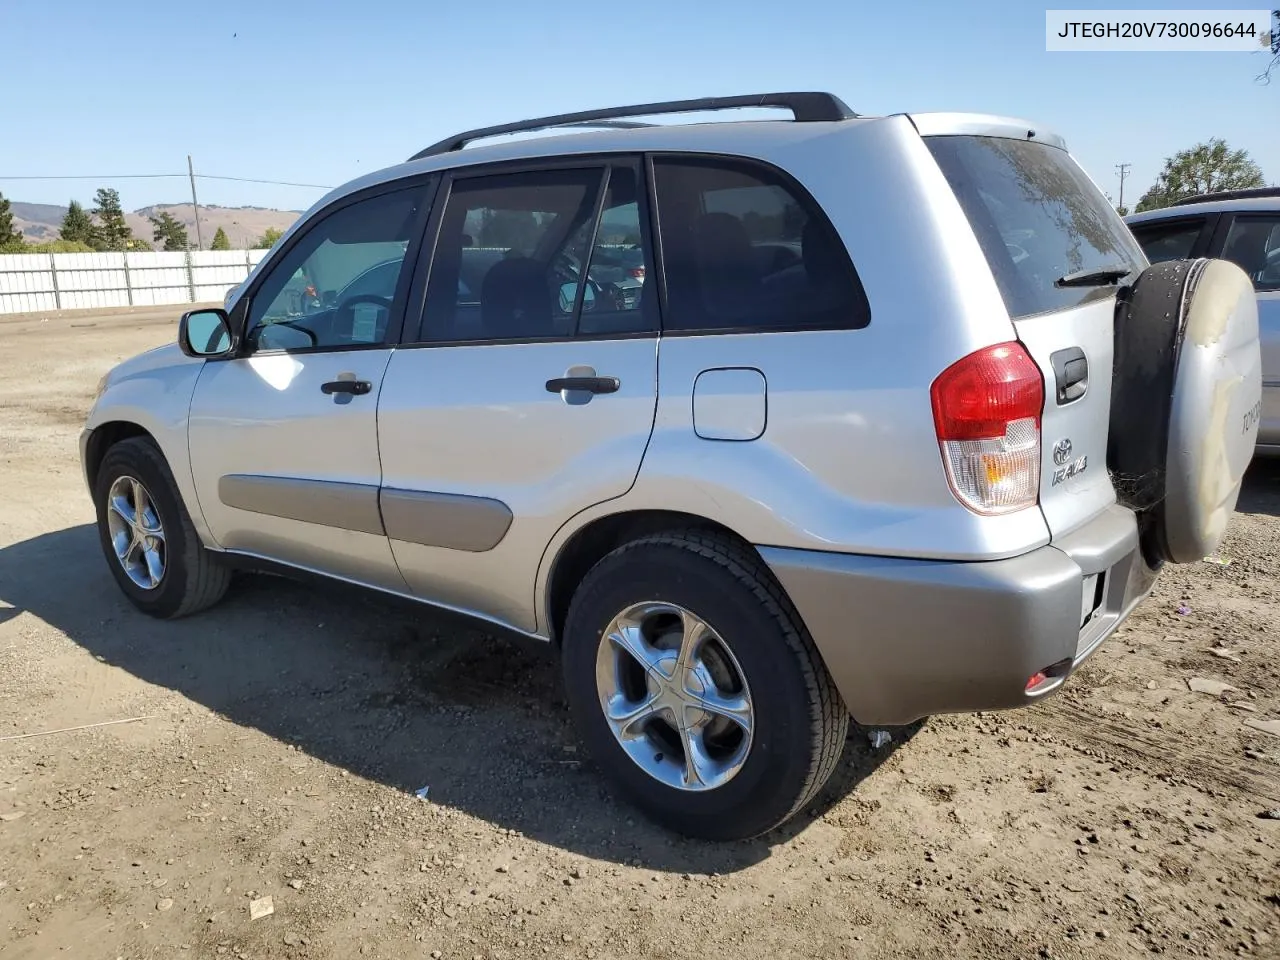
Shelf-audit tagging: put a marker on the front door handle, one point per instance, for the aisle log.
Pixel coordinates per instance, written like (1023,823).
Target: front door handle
(355,387)
(590,384)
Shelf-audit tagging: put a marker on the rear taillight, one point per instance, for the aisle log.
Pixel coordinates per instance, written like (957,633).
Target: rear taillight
(636,273)
(986,409)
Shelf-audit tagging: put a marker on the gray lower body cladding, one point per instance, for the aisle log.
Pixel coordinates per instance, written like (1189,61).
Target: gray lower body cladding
(449,520)
(904,639)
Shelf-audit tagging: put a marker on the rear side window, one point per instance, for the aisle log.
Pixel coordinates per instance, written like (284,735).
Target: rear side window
(1038,217)
(1168,241)
(742,249)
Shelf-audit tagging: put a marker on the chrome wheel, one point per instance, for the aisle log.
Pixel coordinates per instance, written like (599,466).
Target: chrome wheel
(674,696)
(136,533)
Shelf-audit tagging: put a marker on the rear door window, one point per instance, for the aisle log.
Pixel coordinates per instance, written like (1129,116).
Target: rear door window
(503,240)
(1038,218)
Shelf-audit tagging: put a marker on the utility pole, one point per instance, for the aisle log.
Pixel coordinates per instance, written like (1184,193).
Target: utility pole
(1123,170)
(195,204)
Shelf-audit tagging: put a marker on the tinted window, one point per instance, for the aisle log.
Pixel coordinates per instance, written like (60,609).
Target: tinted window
(507,256)
(743,249)
(616,299)
(336,287)
(1038,218)
(1168,241)
(1254,244)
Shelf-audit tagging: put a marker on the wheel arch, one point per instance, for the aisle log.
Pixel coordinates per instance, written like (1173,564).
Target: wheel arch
(102,438)
(582,549)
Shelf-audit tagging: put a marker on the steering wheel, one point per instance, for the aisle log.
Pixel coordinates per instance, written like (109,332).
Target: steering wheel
(373,298)
(256,334)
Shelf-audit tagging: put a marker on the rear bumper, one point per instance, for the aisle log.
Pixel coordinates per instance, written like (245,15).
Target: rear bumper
(904,639)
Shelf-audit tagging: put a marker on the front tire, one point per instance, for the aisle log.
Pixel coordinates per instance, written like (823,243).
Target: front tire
(696,687)
(147,537)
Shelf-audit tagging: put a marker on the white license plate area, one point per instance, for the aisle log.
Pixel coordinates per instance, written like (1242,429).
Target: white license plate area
(1088,597)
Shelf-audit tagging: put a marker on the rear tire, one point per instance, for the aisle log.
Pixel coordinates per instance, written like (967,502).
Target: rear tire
(753,655)
(147,537)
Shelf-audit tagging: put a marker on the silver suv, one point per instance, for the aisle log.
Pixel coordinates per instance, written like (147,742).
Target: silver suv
(1242,226)
(900,422)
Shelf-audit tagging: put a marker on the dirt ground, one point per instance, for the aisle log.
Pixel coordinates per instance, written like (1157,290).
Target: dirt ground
(288,728)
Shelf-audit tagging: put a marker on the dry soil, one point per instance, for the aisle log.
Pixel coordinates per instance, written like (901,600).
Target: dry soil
(288,729)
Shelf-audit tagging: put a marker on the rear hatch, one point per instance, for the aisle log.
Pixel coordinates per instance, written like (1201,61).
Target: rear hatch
(1056,248)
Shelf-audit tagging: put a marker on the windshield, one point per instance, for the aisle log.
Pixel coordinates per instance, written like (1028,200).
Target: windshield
(1038,218)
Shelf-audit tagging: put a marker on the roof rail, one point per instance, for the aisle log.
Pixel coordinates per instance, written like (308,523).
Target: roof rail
(1252,193)
(804,107)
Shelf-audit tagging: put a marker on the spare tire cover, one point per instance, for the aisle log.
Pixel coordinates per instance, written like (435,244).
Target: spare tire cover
(1186,403)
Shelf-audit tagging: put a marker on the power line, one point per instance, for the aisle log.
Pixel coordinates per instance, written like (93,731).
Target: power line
(278,183)
(162,176)
(123,176)
(1123,170)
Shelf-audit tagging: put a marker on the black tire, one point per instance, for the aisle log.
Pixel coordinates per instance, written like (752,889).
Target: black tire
(800,720)
(194,578)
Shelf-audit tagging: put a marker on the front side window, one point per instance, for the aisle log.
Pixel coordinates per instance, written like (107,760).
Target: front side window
(508,254)
(337,286)
(1253,244)
(743,249)
(1168,241)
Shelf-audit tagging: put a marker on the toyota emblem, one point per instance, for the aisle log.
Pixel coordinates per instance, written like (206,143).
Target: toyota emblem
(1062,451)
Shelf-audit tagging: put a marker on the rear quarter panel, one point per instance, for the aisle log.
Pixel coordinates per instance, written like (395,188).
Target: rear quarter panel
(849,459)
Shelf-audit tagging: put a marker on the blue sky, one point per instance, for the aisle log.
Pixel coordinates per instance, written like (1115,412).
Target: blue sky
(321,91)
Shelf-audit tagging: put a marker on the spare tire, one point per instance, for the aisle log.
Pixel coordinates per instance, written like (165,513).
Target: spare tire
(1186,400)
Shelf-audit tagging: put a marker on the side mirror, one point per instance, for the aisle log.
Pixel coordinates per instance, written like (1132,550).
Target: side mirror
(205,333)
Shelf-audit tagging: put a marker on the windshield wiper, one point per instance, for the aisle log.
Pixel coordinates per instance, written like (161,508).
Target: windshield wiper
(1097,277)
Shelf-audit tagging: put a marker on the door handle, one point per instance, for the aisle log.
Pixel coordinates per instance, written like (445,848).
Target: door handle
(355,387)
(590,384)
(1071,373)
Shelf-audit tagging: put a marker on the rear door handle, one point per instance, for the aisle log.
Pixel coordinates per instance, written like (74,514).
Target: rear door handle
(355,387)
(590,384)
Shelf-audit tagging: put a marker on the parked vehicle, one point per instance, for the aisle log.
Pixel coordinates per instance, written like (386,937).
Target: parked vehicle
(1242,226)
(849,450)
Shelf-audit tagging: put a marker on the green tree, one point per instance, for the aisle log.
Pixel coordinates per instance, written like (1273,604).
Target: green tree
(1204,168)
(60,246)
(11,240)
(168,232)
(220,241)
(77,226)
(113,232)
(517,229)
(268,239)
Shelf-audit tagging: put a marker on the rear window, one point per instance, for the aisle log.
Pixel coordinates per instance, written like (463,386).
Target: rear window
(1038,218)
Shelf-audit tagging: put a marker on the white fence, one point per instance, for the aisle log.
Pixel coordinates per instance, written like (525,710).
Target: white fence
(72,281)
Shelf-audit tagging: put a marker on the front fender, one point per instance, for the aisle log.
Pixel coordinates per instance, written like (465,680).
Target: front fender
(155,398)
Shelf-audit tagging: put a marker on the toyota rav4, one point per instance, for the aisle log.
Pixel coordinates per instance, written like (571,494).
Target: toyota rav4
(900,422)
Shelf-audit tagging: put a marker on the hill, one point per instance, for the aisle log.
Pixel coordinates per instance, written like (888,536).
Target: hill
(39,222)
